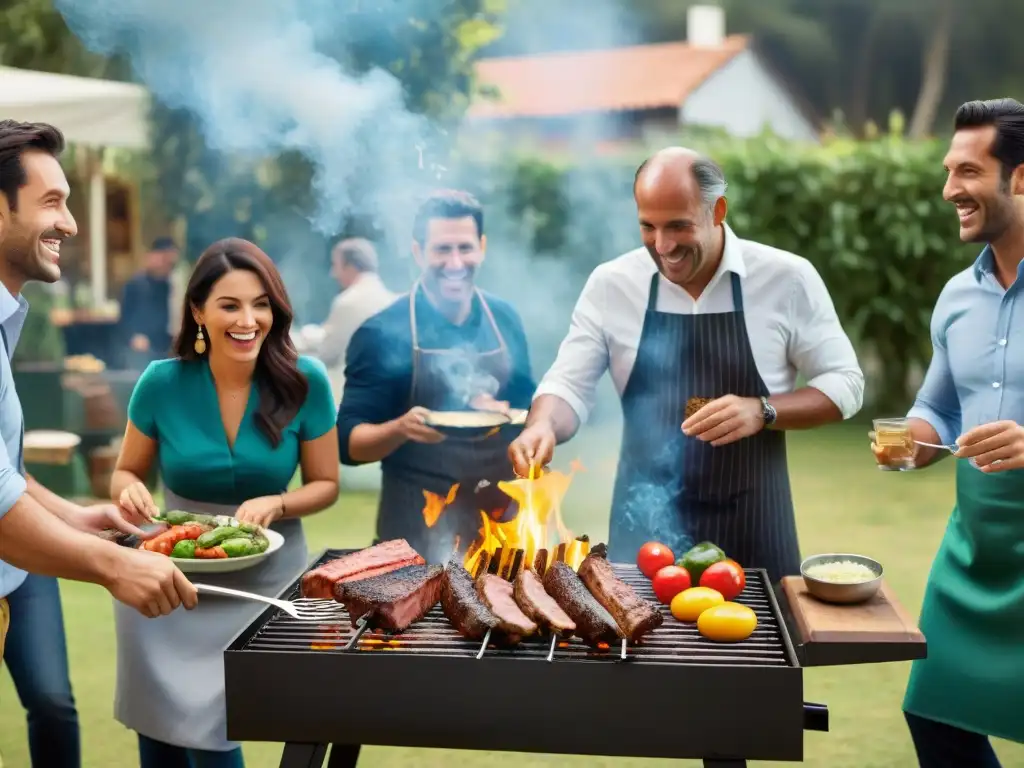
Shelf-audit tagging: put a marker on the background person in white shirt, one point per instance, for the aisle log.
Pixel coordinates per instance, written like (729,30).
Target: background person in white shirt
(699,313)
(354,265)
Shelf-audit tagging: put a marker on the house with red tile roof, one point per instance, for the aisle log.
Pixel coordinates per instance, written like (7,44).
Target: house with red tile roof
(618,96)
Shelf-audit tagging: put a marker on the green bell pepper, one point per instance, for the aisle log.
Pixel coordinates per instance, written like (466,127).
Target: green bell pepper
(184,549)
(238,546)
(699,559)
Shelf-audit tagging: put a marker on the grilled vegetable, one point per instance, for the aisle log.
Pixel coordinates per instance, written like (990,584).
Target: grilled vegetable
(238,546)
(699,558)
(213,553)
(260,543)
(180,517)
(185,549)
(217,535)
(727,623)
(165,542)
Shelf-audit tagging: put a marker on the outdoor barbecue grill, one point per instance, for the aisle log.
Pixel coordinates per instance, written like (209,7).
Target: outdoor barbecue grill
(675,695)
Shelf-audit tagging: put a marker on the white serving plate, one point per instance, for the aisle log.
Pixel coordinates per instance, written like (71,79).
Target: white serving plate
(231,564)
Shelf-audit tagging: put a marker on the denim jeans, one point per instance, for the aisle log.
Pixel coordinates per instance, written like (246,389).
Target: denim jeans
(157,754)
(37,658)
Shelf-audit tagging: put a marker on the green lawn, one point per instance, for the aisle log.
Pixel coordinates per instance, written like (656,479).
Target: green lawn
(843,503)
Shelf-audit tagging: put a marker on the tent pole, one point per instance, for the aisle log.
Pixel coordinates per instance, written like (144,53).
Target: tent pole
(97,228)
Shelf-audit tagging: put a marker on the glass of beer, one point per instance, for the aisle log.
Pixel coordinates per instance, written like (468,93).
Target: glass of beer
(893,437)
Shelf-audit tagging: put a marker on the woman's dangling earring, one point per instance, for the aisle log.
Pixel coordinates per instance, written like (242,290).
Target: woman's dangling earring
(200,345)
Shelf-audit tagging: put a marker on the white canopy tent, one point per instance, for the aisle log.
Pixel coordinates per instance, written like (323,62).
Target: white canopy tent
(91,113)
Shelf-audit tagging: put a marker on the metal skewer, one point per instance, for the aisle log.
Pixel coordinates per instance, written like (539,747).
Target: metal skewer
(362,625)
(483,645)
(551,650)
(623,654)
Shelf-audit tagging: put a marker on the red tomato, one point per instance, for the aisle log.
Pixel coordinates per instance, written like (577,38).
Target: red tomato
(653,557)
(726,577)
(669,582)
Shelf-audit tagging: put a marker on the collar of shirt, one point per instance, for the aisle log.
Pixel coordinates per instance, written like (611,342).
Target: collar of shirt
(985,267)
(12,316)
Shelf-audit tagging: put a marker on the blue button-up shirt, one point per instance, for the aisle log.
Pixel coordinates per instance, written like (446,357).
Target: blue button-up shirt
(12,425)
(976,375)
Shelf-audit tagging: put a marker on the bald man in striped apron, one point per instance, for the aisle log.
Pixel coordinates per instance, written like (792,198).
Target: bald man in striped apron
(698,316)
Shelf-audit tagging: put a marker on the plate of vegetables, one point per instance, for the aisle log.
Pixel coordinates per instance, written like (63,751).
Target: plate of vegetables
(212,543)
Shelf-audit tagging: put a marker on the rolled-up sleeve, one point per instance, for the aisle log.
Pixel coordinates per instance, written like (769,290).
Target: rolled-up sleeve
(819,348)
(583,355)
(12,482)
(937,401)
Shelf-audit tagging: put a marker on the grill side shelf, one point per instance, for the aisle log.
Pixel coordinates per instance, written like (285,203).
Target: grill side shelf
(673,643)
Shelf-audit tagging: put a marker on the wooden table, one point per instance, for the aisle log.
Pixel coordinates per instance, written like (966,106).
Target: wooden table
(876,631)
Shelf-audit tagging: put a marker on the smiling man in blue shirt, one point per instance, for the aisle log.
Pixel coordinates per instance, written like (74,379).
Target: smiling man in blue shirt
(43,536)
(971,686)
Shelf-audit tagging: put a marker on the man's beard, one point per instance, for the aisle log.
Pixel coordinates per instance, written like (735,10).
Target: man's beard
(21,252)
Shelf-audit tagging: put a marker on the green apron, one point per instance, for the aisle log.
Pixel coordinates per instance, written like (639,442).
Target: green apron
(973,612)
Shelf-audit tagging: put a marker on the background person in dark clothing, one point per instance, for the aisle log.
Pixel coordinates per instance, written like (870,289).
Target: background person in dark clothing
(146,307)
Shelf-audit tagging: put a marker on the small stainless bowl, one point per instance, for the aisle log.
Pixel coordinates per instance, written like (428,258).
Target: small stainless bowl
(839,592)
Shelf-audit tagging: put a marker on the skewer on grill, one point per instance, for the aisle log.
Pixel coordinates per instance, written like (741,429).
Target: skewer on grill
(551,650)
(363,625)
(495,563)
(483,645)
(623,656)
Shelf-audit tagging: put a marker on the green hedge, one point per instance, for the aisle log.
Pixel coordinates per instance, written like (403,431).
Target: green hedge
(870,216)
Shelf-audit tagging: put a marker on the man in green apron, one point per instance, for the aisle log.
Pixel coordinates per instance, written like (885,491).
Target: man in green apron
(971,686)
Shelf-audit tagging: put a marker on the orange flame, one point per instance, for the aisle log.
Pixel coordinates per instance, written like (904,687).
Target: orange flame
(436,504)
(537,526)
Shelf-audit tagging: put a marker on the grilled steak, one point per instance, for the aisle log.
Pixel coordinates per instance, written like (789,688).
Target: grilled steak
(593,623)
(634,615)
(393,600)
(366,563)
(496,594)
(461,604)
(539,605)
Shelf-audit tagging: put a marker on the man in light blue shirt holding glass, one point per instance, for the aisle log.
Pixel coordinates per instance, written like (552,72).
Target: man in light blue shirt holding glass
(41,533)
(971,686)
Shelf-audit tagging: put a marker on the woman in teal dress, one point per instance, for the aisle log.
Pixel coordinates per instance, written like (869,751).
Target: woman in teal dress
(229,420)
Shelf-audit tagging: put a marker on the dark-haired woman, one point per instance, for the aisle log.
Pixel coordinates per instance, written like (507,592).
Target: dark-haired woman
(229,420)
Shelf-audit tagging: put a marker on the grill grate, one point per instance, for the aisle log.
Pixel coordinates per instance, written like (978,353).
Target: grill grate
(673,642)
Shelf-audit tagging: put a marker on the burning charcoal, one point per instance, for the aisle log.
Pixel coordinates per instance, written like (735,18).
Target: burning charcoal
(482,564)
(540,562)
(560,553)
(495,563)
(515,564)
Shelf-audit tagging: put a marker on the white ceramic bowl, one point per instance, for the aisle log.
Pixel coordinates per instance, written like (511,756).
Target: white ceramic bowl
(230,564)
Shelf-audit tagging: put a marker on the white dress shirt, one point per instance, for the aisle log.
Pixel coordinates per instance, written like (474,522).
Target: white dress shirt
(349,310)
(791,322)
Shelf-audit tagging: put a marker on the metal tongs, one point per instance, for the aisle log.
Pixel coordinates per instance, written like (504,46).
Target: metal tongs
(303,609)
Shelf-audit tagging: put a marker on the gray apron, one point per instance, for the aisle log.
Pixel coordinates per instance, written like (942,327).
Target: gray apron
(416,467)
(170,670)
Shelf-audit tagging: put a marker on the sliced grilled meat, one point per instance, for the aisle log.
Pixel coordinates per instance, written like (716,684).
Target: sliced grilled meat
(393,600)
(496,594)
(539,605)
(372,561)
(593,623)
(462,605)
(634,615)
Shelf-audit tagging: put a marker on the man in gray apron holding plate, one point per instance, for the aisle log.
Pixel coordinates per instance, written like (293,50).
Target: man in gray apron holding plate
(971,686)
(704,335)
(446,346)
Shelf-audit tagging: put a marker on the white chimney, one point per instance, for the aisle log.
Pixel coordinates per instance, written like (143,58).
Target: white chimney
(705,25)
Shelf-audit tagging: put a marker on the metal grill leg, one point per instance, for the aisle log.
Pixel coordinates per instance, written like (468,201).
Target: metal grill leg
(297,755)
(343,756)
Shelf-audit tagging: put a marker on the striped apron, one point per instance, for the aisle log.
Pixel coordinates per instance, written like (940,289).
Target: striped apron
(679,490)
(418,467)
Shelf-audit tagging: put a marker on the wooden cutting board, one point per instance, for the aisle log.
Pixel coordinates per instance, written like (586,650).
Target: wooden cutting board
(876,631)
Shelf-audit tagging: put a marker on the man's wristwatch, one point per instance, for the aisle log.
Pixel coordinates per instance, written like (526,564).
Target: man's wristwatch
(768,412)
